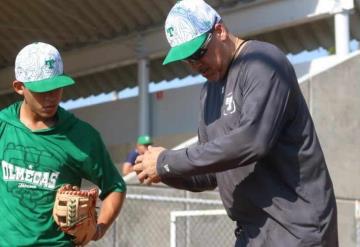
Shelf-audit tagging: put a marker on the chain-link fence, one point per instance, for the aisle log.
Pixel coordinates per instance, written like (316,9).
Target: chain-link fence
(145,220)
(159,216)
(192,228)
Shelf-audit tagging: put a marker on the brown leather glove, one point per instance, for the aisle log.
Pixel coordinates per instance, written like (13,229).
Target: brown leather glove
(75,213)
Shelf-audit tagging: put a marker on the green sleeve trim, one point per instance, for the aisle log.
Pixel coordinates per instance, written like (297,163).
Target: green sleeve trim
(118,187)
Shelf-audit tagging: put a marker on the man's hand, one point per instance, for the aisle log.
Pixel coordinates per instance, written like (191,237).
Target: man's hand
(145,165)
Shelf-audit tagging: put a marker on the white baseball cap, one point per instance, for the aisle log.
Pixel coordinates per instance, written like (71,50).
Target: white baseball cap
(187,26)
(39,66)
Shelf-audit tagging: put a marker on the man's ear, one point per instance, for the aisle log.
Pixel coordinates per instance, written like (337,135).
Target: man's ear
(18,87)
(221,31)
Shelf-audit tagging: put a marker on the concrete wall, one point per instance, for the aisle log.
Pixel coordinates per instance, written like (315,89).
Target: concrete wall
(173,120)
(333,97)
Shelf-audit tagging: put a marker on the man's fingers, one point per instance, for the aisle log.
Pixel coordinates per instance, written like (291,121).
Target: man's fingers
(142,176)
(150,181)
(139,159)
(137,167)
(147,181)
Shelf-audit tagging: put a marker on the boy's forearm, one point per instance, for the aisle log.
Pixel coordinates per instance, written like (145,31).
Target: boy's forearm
(110,209)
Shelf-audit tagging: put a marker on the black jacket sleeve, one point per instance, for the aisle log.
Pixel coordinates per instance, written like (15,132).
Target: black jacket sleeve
(194,183)
(266,93)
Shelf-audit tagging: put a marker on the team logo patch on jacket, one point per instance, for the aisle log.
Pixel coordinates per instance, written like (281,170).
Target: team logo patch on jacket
(230,107)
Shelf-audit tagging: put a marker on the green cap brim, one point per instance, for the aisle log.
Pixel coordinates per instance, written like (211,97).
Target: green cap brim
(49,84)
(184,50)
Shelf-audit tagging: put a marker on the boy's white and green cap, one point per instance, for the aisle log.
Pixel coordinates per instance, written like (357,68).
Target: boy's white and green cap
(39,66)
(187,26)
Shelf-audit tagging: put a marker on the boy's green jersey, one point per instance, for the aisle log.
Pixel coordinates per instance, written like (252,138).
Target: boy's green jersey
(34,164)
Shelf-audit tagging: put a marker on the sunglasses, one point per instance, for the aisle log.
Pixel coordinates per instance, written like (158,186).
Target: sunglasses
(201,51)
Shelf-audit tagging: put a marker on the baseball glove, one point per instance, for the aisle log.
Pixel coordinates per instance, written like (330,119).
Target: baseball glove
(75,212)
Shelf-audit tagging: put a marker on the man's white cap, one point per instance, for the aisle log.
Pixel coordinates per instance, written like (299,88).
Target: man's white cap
(187,26)
(39,66)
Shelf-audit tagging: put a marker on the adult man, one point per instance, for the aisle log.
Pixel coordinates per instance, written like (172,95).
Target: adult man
(257,141)
(142,144)
(42,147)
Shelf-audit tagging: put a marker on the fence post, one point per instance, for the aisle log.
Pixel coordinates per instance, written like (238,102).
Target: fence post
(172,229)
(357,220)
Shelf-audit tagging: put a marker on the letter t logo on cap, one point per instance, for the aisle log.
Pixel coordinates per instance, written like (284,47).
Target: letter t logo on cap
(170,31)
(50,63)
